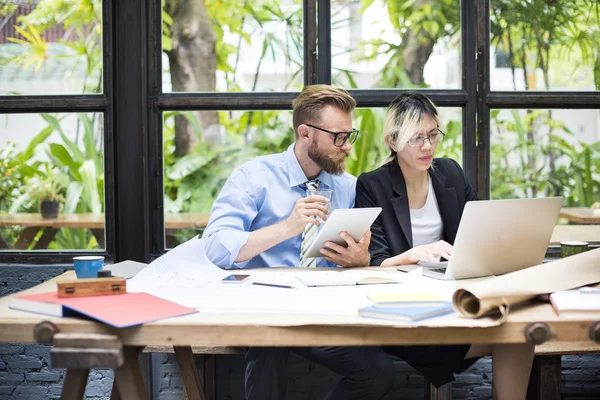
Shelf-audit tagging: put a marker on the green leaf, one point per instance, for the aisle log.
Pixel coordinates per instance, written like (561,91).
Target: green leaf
(597,72)
(61,154)
(187,165)
(74,191)
(55,123)
(35,142)
(90,192)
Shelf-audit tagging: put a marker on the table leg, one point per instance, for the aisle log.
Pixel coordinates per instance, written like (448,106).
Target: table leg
(444,392)
(26,237)
(189,373)
(75,382)
(99,235)
(128,377)
(114,393)
(46,238)
(210,384)
(3,243)
(544,382)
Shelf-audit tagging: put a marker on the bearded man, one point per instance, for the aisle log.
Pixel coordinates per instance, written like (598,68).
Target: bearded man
(261,217)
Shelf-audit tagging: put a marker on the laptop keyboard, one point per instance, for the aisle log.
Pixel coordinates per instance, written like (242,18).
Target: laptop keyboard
(438,270)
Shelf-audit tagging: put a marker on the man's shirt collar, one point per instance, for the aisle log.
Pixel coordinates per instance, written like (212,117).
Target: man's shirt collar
(296,174)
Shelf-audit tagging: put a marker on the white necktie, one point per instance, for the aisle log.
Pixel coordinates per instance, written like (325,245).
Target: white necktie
(309,234)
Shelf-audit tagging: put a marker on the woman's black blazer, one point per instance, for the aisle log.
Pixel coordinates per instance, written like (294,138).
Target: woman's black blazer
(385,188)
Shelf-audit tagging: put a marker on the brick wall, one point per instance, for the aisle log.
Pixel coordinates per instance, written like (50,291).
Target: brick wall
(25,371)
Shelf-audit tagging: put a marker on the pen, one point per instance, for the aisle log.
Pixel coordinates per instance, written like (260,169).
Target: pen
(273,285)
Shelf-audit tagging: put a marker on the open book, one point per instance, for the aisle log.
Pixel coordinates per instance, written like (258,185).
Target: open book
(347,277)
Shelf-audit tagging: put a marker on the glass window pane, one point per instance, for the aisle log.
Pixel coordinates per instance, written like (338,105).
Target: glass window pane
(232,46)
(52,182)
(540,153)
(391,44)
(51,49)
(544,45)
(192,181)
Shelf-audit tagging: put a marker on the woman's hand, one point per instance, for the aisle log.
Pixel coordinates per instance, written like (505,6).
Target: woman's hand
(430,252)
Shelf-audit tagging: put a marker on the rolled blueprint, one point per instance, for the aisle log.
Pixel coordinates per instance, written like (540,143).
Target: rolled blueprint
(497,294)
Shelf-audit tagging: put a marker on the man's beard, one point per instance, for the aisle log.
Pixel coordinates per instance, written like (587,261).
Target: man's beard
(331,163)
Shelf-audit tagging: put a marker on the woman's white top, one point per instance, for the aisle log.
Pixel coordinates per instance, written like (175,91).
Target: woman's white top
(426,222)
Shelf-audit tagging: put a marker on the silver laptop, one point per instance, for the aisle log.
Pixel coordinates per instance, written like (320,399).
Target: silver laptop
(499,236)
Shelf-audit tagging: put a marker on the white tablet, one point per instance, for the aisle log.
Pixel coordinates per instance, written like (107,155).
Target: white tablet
(354,221)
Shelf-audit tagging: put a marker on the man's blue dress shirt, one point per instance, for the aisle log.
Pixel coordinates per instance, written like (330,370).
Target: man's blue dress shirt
(260,193)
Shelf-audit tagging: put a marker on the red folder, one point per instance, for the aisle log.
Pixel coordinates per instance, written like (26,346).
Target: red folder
(120,311)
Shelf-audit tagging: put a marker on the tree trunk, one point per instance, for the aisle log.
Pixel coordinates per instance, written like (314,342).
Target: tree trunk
(417,50)
(193,65)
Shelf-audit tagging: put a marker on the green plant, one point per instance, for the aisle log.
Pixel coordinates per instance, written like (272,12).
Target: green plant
(49,185)
(11,179)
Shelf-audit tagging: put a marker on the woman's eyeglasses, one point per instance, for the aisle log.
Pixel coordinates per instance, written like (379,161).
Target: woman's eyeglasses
(419,141)
(339,138)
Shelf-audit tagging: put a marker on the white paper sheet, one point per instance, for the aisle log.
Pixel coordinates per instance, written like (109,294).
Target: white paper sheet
(185,266)
(337,300)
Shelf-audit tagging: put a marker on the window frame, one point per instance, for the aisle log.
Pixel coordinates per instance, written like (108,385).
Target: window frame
(133,104)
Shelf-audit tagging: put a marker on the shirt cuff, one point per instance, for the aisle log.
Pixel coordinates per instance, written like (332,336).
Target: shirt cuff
(223,247)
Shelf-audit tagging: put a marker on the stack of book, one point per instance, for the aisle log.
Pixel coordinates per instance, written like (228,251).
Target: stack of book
(408,307)
(582,302)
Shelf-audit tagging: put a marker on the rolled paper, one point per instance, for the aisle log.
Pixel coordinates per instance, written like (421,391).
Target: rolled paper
(498,294)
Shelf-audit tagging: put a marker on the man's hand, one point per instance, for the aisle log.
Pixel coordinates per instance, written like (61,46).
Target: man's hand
(304,212)
(431,252)
(355,255)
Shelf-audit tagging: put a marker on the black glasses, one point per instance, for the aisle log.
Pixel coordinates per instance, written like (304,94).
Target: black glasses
(419,141)
(339,138)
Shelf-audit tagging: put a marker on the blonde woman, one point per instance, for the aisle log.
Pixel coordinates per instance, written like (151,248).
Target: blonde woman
(423,199)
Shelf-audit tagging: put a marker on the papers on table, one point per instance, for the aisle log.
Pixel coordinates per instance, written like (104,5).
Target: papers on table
(186,276)
(185,266)
(249,298)
(339,277)
(125,269)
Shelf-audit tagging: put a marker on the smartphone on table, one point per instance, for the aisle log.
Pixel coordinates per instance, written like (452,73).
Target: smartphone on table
(236,278)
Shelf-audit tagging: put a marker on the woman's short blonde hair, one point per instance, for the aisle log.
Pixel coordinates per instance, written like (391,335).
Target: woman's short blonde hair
(404,119)
(313,98)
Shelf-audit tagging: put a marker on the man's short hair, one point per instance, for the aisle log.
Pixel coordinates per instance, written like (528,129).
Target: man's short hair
(313,98)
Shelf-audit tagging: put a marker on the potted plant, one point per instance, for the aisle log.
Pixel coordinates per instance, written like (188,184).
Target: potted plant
(47,189)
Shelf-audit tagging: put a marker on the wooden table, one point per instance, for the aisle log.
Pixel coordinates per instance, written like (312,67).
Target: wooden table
(581,215)
(33,223)
(209,330)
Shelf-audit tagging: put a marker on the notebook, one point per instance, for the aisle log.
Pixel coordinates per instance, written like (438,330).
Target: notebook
(348,277)
(577,302)
(397,300)
(120,311)
(408,313)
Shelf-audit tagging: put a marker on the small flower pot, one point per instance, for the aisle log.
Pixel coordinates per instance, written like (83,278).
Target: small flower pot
(49,208)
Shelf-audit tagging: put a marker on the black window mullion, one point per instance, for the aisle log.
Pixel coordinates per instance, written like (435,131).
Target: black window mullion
(482,181)
(383,97)
(469,85)
(310,41)
(530,99)
(155,128)
(109,149)
(130,123)
(324,42)
(53,103)
(226,101)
